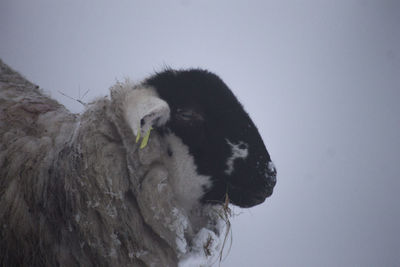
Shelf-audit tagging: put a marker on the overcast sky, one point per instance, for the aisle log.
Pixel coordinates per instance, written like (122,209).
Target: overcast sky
(321,79)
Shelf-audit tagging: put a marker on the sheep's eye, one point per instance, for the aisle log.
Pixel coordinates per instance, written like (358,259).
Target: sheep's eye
(188,115)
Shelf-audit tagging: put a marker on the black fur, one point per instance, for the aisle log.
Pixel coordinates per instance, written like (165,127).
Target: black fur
(205,114)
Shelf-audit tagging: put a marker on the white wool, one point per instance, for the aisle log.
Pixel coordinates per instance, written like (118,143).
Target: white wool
(187,184)
(179,225)
(237,153)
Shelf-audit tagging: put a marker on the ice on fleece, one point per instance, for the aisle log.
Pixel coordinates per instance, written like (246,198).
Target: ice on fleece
(205,247)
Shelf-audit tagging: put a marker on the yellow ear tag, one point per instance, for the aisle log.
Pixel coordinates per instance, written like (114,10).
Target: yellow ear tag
(146,139)
(138,134)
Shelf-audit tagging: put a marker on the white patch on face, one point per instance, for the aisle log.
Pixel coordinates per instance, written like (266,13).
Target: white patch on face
(186,183)
(237,153)
(271,169)
(144,104)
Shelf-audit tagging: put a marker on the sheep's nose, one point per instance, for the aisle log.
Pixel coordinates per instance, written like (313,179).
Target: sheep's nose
(268,185)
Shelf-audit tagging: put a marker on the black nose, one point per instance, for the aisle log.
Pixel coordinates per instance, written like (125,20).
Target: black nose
(269,182)
(257,195)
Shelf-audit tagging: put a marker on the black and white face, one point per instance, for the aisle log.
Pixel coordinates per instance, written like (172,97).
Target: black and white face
(219,141)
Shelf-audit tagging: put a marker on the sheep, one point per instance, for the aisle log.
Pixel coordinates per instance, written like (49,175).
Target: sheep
(138,179)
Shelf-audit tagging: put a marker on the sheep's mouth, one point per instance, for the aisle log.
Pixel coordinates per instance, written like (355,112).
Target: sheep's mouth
(242,194)
(247,198)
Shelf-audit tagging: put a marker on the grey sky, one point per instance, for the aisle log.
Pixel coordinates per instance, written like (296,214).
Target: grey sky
(321,79)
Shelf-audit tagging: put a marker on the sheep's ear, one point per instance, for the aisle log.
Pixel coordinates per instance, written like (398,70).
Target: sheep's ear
(143,110)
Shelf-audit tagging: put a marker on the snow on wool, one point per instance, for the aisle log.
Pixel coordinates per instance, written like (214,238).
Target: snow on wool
(77,189)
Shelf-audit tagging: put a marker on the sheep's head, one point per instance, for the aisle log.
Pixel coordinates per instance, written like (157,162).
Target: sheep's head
(207,131)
